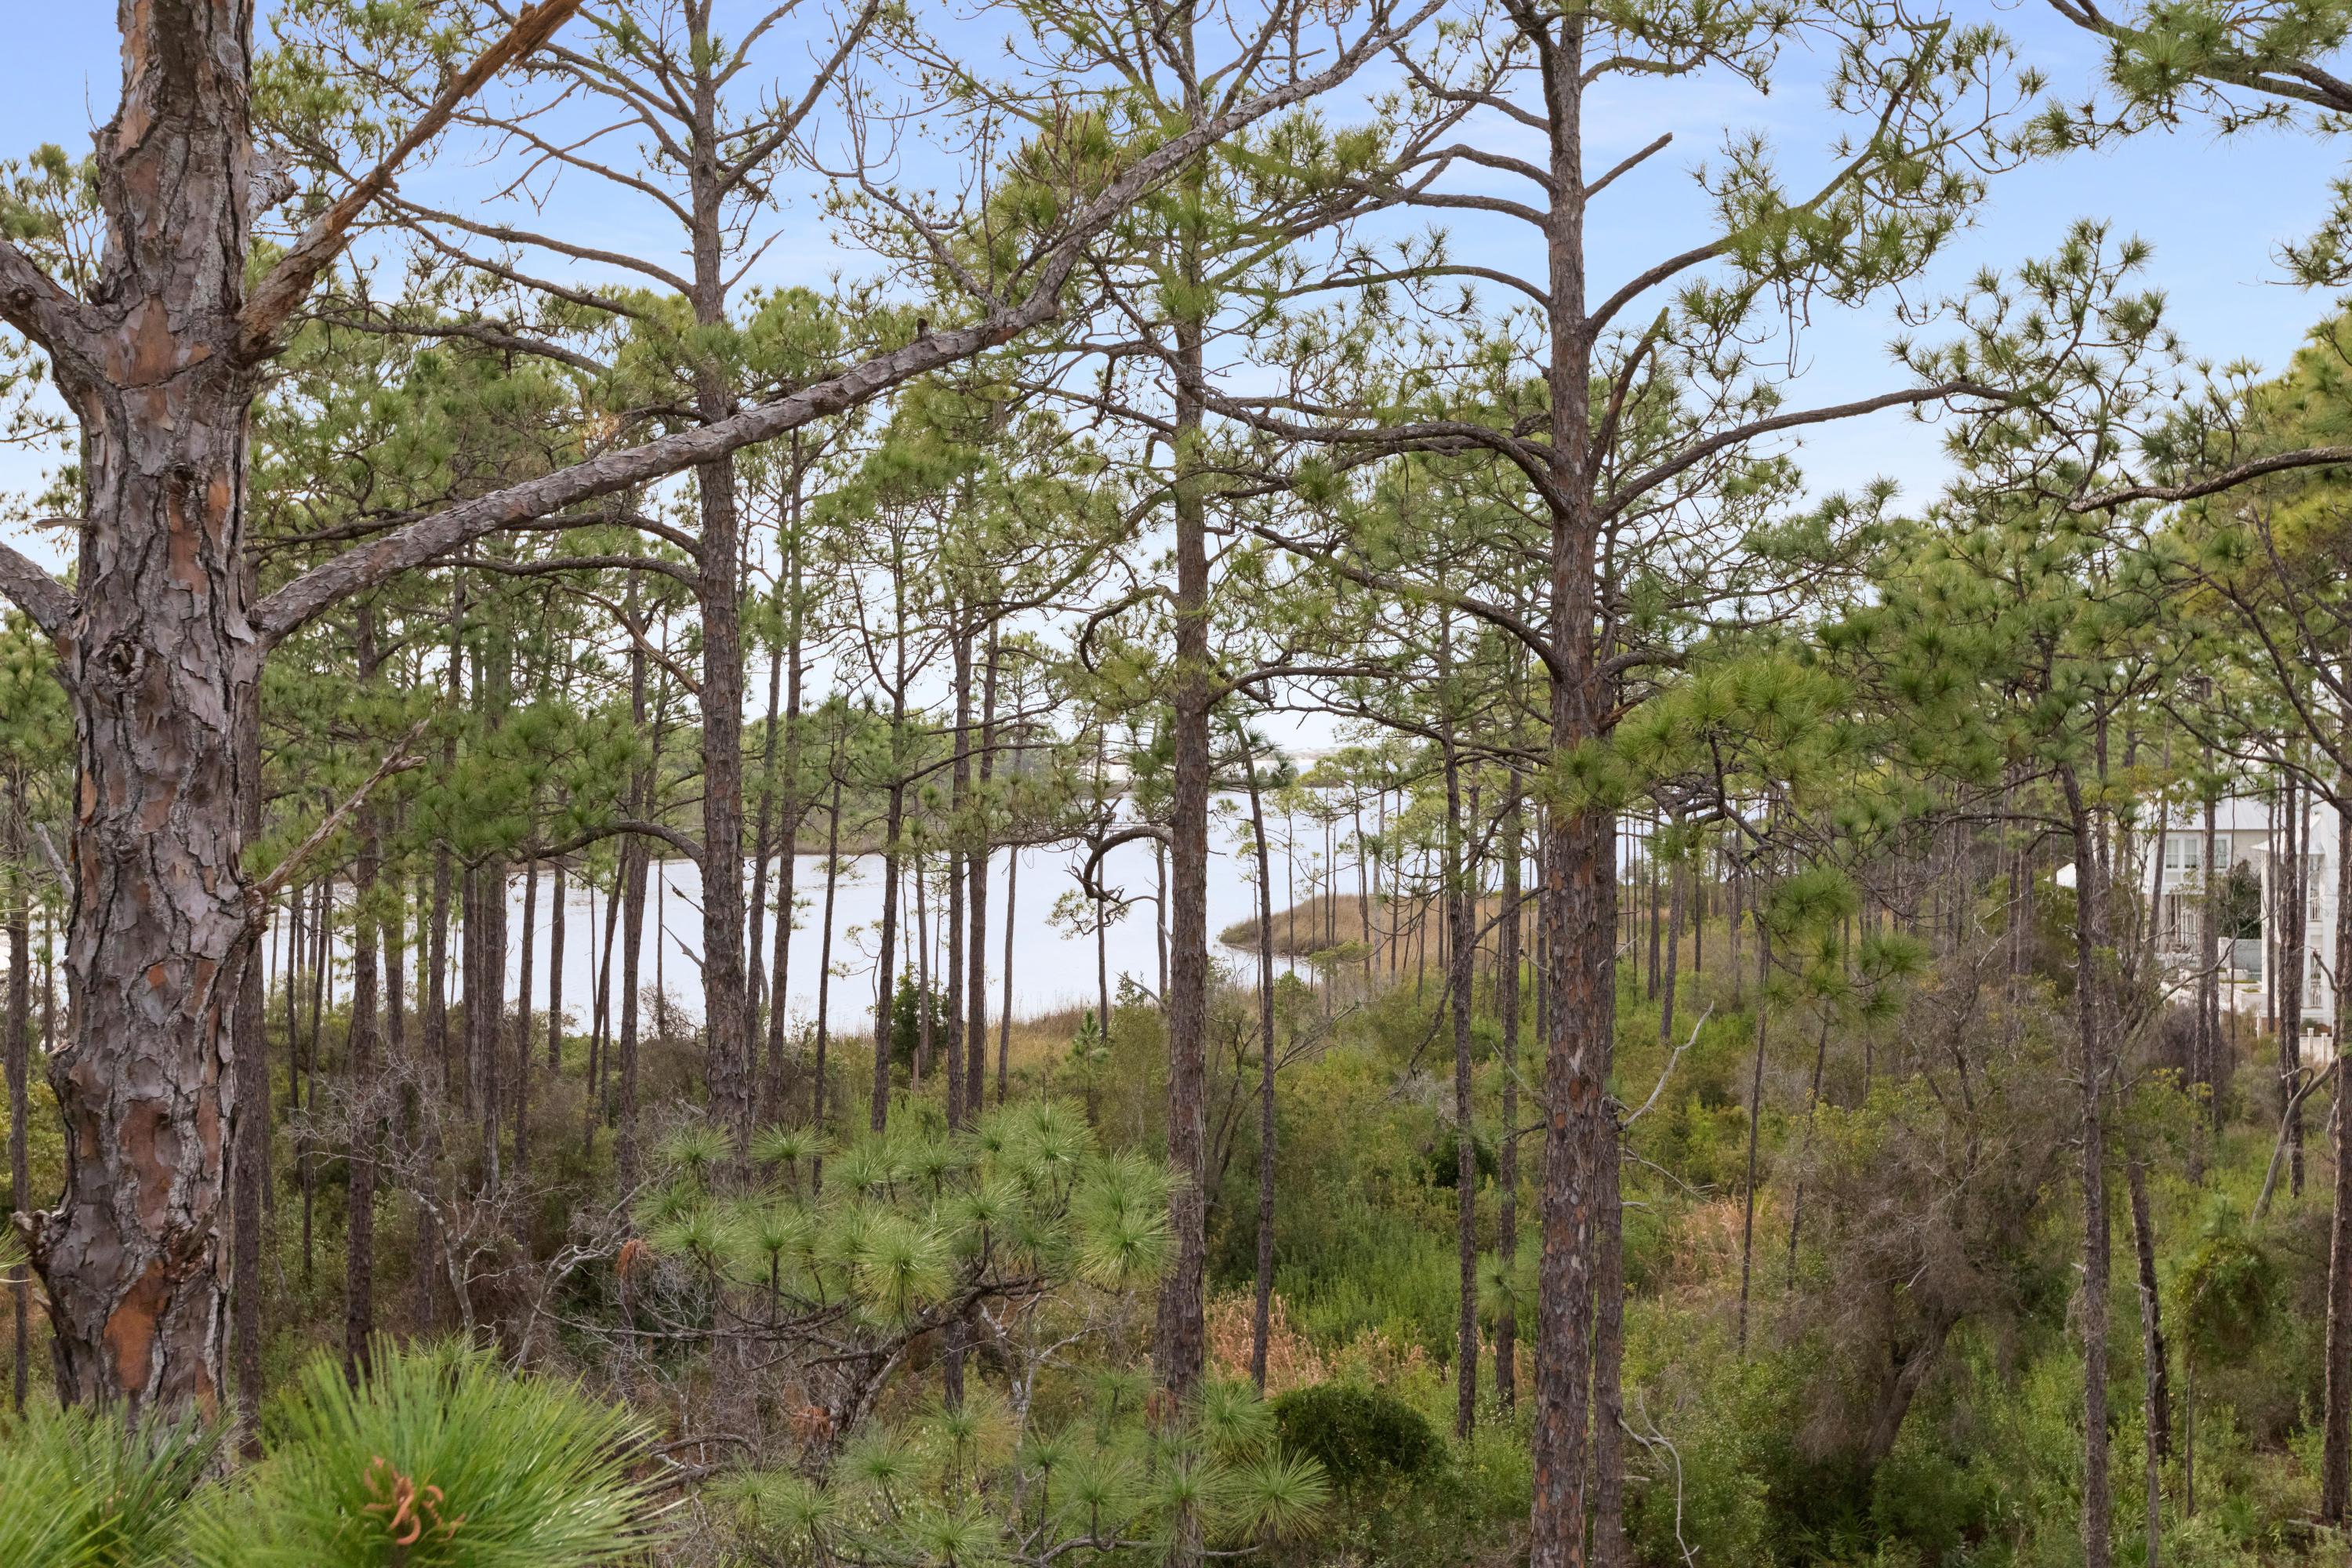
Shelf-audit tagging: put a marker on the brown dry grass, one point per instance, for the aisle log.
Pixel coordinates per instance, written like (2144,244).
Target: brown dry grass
(1309,927)
(1039,1045)
(1291,1361)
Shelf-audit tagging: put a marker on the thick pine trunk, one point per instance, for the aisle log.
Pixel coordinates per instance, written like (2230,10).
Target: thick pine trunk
(2090,940)
(160,660)
(1580,918)
(718,595)
(1580,886)
(1179,1345)
(161,664)
(726,1021)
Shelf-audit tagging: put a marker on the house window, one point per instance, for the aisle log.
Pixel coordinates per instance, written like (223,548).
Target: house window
(2180,853)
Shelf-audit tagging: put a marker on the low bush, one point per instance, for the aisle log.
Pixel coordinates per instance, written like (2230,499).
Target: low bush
(1358,1435)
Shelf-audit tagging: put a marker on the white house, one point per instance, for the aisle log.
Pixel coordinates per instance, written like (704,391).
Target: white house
(2248,853)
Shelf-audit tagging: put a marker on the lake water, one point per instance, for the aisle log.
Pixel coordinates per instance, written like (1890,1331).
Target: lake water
(1054,968)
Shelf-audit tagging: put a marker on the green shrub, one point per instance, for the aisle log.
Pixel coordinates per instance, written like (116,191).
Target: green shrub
(80,1489)
(437,1459)
(1358,1435)
(1443,1157)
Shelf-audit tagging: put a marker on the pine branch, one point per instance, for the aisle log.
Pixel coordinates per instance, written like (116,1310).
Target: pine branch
(274,301)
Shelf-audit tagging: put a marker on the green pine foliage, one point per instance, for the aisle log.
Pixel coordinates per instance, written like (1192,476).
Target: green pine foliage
(435,1456)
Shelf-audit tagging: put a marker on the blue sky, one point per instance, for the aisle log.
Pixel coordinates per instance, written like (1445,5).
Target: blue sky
(2215,211)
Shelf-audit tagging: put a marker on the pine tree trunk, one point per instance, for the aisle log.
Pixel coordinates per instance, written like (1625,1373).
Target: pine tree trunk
(557,898)
(1734,935)
(2090,940)
(1608,1356)
(358,1228)
(976,900)
(16,1052)
(2336,1448)
(1651,905)
(885,963)
(522,1013)
(788,853)
(729,1064)
(1677,897)
(633,916)
(1179,1345)
(951,983)
(1004,1020)
(1159,910)
(2212,881)
(962,1108)
(323,952)
(817,1087)
(763,826)
(391,932)
(922,950)
(470,927)
(1507,1171)
(2156,1411)
(492,890)
(1755,1119)
(158,661)
(1458,914)
(436,967)
(600,1031)
(1262,1300)
(2295,967)
(250,1132)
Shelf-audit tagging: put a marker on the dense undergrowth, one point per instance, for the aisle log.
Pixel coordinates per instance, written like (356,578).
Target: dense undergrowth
(929,1347)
